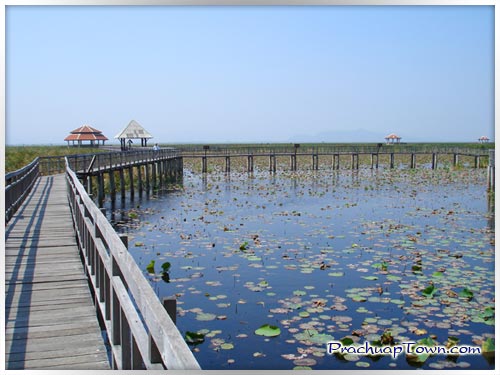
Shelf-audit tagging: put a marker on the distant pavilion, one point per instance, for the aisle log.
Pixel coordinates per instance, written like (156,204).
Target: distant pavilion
(483,139)
(392,138)
(133,131)
(86,133)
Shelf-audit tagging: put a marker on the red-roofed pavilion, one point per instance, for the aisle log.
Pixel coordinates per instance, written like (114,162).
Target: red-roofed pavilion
(86,133)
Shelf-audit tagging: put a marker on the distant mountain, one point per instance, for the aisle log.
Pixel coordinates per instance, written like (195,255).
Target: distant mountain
(347,136)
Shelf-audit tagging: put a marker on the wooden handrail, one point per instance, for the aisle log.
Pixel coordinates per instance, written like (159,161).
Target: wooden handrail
(139,327)
(17,186)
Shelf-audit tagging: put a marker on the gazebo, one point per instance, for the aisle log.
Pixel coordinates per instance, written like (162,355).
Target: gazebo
(392,138)
(483,139)
(133,131)
(86,133)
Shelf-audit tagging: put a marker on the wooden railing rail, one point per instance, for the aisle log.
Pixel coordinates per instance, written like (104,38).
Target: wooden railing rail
(230,150)
(17,186)
(50,165)
(140,330)
(90,163)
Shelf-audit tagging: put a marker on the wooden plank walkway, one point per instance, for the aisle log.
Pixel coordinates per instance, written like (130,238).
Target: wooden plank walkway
(50,319)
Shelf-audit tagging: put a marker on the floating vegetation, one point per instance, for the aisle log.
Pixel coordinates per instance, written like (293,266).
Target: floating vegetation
(268,331)
(385,257)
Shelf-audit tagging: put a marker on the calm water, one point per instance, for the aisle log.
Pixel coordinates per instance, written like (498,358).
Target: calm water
(322,256)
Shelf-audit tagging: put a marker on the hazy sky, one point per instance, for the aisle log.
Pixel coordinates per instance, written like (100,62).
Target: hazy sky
(251,74)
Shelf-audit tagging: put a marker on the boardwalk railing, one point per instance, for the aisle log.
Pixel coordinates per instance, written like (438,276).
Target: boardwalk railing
(141,332)
(232,150)
(17,186)
(93,163)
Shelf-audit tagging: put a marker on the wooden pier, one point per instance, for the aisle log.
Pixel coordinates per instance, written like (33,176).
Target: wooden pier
(69,275)
(412,156)
(50,316)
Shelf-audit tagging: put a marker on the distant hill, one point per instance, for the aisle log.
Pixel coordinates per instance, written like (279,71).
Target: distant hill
(335,136)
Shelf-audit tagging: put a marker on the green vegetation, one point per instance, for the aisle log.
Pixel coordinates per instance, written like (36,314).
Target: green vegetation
(17,157)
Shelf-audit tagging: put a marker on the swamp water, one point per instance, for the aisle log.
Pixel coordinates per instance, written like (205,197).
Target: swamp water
(390,255)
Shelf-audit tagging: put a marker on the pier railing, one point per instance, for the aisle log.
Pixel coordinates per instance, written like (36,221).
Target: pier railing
(285,149)
(92,163)
(17,186)
(141,332)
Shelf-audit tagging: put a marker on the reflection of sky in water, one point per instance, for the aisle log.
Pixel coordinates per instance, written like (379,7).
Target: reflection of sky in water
(323,234)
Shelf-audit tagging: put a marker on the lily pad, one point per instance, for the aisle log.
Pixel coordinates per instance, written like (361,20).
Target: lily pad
(194,338)
(268,331)
(205,317)
(151,267)
(429,291)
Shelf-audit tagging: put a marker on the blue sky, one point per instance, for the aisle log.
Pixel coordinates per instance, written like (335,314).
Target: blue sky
(251,74)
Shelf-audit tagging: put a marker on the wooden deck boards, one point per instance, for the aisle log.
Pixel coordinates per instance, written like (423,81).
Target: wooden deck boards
(50,319)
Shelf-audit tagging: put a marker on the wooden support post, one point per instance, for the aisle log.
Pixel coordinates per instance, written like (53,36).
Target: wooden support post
(413,161)
(170,304)
(204,164)
(148,185)
(315,161)
(139,179)
(124,239)
(491,171)
(476,161)
(336,161)
(392,160)
(272,163)
(131,178)
(293,162)
(115,321)
(89,184)
(112,187)
(122,183)
(354,161)
(160,174)
(125,343)
(455,160)
(434,160)
(228,164)
(153,174)
(250,163)
(100,182)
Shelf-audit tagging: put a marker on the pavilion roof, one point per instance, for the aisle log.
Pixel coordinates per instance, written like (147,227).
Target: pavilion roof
(86,133)
(133,131)
(392,136)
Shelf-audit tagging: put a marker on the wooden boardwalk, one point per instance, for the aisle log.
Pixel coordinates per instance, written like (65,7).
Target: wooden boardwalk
(50,319)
